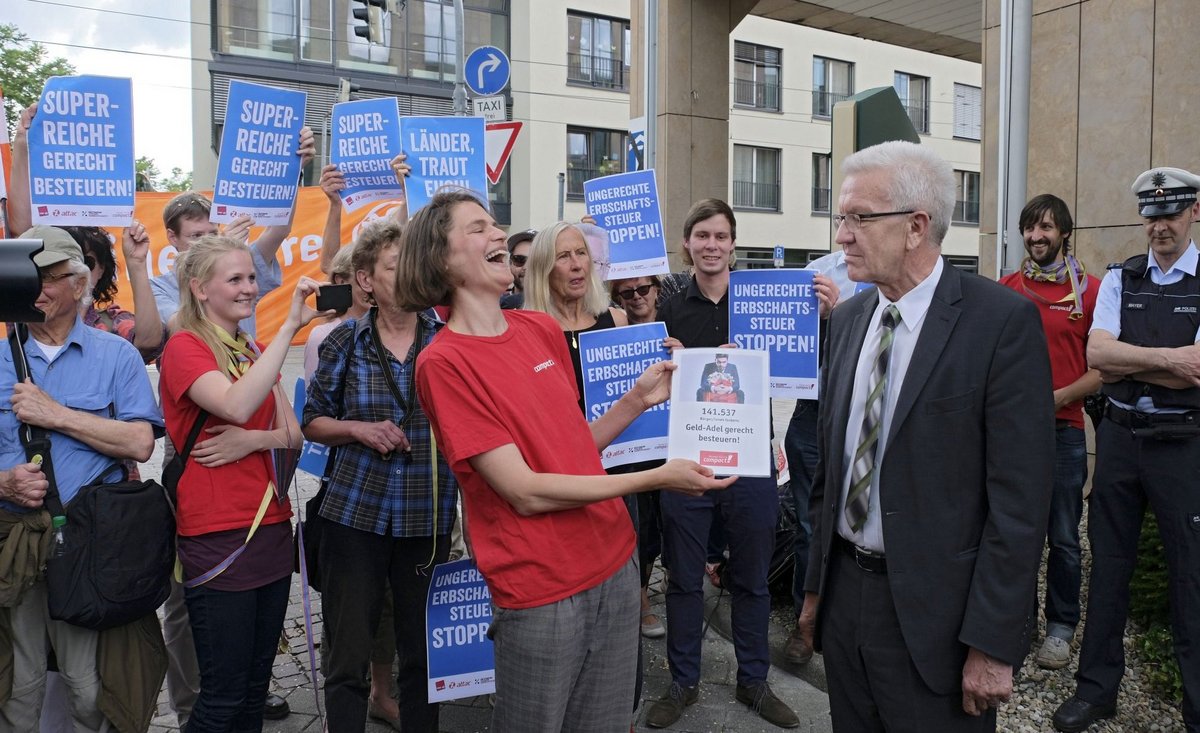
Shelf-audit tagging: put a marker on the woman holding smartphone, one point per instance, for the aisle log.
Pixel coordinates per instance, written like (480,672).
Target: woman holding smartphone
(235,538)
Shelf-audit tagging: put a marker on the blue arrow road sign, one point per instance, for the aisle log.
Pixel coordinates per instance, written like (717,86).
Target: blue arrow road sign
(487,70)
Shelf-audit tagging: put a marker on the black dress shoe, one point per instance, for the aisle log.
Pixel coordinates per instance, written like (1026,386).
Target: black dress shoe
(1076,715)
(275,708)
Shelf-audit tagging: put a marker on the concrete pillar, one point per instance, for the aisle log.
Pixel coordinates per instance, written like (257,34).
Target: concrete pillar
(1112,94)
(693,102)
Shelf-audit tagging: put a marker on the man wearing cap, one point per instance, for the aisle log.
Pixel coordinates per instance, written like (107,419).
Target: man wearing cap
(519,245)
(90,392)
(1059,285)
(1145,342)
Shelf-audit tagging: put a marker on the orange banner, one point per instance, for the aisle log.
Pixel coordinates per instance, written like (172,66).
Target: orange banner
(299,254)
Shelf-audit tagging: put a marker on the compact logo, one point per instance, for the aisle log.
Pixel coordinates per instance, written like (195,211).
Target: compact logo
(43,211)
(1185,309)
(718,458)
(544,365)
(440,685)
(1135,306)
(221,210)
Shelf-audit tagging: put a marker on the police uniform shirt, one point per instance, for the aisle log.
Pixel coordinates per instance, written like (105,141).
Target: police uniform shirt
(1107,316)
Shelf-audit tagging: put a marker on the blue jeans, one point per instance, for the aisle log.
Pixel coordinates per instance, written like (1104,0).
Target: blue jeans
(800,447)
(1063,572)
(236,634)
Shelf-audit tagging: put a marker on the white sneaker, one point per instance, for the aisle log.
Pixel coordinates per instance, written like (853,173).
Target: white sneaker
(1054,654)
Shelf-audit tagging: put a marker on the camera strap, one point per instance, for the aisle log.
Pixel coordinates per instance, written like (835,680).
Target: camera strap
(36,440)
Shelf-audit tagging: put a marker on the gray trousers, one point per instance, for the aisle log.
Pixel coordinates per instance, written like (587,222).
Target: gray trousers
(183,672)
(570,665)
(75,649)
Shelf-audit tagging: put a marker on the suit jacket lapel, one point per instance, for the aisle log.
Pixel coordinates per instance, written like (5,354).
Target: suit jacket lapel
(844,390)
(935,334)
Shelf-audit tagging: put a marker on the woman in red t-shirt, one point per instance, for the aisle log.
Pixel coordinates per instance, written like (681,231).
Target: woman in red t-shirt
(548,534)
(235,540)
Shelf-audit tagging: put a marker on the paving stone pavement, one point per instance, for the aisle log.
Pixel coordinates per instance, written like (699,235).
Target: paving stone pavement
(716,709)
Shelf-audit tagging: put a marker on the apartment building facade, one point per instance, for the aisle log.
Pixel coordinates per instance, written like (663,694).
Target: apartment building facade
(570,87)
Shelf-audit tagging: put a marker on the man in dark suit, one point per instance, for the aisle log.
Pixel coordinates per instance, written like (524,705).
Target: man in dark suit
(720,364)
(933,487)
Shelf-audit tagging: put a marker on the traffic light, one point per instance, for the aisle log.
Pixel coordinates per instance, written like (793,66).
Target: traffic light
(369,14)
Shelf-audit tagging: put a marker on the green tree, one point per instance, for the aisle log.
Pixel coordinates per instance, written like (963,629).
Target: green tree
(25,66)
(178,181)
(150,178)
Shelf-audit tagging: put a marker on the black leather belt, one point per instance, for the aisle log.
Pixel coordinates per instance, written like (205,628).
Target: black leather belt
(1131,419)
(872,562)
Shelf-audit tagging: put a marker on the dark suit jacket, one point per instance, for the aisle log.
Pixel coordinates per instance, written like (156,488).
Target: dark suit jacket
(730,369)
(966,475)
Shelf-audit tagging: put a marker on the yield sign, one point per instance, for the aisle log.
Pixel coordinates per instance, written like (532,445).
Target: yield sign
(499,140)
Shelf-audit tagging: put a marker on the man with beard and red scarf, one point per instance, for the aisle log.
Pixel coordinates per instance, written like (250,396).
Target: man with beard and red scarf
(1059,285)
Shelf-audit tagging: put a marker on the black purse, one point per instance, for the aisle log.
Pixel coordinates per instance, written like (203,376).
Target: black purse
(118,550)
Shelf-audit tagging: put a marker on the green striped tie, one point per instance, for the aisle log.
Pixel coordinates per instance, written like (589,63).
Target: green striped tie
(858,500)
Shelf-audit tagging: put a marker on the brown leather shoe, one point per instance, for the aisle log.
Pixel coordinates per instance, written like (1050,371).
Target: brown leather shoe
(798,650)
(664,712)
(770,708)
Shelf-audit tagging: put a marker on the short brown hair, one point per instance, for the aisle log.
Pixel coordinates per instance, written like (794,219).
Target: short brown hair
(422,279)
(188,205)
(372,240)
(704,209)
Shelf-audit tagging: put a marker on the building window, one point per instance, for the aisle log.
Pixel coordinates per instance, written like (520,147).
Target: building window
(419,40)
(833,81)
(755,178)
(256,28)
(968,111)
(756,73)
(966,197)
(822,182)
(591,154)
(913,91)
(597,51)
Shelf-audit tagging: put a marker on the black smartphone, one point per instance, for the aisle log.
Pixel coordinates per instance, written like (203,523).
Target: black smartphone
(334,298)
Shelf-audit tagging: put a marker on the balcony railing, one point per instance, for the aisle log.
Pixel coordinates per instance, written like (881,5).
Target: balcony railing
(823,102)
(965,212)
(757,94)
(919,114)
(598,71)
(752,195)
(820,200)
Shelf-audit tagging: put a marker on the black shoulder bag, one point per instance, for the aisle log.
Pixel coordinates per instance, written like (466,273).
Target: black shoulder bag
(118,547)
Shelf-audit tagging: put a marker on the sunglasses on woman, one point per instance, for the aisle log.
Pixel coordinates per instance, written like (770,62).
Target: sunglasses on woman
(518,260)
(641,290)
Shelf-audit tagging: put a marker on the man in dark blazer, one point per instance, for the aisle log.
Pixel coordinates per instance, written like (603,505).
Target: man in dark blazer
(932,492)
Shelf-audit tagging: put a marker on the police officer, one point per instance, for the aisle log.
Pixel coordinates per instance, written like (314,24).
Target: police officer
(1145,341)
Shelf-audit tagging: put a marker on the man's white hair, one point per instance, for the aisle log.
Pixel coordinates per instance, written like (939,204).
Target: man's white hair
(918,179)
(78,269)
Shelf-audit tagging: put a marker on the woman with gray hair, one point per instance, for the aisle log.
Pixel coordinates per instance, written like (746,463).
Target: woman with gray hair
(561,281)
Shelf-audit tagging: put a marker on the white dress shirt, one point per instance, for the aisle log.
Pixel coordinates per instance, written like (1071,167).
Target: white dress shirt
(913,307)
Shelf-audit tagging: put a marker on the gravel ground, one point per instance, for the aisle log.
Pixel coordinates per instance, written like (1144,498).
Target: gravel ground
(1038,692)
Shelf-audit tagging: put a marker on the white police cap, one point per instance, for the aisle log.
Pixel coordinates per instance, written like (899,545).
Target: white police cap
(1163,191)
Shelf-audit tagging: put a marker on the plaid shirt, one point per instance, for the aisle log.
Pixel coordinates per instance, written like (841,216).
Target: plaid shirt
(393,495)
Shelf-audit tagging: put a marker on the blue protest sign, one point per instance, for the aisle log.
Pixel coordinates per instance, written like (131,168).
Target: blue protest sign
(458,613)
(443,151)
(776,311)
(635,146)
(259,169)
(313,456)
(81,169)
(486,70)
(612,359)
(859,287)
(366,136)
(626,206)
